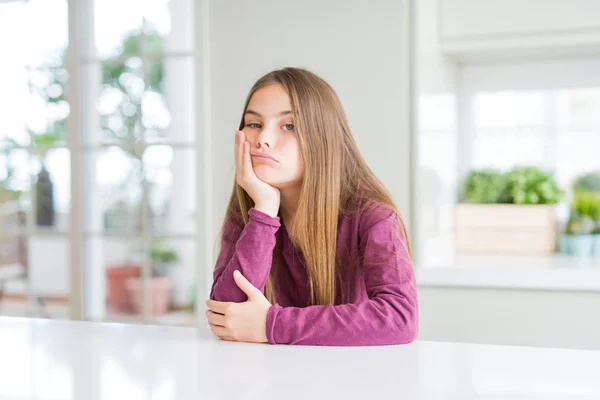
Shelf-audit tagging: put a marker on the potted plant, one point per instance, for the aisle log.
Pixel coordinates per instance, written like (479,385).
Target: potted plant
(580,235)
(589,182)
(595,215)
(579,231)
(530,186)
(512,212)
(483,187)
(117,276)
(161,259)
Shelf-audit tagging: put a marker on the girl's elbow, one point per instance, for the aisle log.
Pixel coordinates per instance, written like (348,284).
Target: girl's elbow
(411,332)
(407,328)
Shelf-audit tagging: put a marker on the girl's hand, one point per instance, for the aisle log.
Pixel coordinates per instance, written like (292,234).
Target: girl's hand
(240,322)
(266,197)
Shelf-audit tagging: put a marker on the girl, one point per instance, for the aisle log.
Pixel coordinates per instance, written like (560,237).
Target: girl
(313,248)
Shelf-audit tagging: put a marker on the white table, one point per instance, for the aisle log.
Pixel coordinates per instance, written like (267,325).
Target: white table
(49,359)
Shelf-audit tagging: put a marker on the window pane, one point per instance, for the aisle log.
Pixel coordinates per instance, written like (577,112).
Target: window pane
(114,23)
(32,74)
(119,89)
(575,159)
(172,283)
(557,130)
(168,106)
(116,178)
(15,172)
(47,264)
(581,107)
(506,149)
(507,109)
(113,191)
(40,183)
(179,279)
(136,99)
(142,26)
(36,105)
(15,100)
(171,175)
(122,260)
(38,30)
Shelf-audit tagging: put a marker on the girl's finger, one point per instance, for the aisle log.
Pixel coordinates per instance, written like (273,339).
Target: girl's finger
(238,152)
(219,330)
(227,338)
(215,318)
(247,161)
(220,307)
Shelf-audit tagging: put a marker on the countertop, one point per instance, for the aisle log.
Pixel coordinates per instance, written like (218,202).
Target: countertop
(54,359)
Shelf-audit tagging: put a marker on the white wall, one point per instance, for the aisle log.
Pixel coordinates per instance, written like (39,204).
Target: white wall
(353,44)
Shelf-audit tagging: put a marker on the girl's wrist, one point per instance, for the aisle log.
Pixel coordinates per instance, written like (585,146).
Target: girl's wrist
(268,208)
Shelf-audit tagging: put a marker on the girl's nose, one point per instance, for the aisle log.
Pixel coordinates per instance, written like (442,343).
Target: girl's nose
(266,139)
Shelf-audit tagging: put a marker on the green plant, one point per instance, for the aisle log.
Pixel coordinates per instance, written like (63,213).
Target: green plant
(483,186)
(162,257)
(584,203)
(530,185)
(7,195)
(589,182)
(594,211)
(8,191)
(585,214)
(580,224)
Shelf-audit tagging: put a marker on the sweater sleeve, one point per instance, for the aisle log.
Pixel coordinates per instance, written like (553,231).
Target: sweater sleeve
(388,315)
(247,248)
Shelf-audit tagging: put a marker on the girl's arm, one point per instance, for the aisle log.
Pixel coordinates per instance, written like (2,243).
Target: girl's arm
(247,248)
(388,316)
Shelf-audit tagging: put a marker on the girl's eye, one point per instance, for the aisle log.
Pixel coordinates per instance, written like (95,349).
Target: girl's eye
(253,126)
(288,127)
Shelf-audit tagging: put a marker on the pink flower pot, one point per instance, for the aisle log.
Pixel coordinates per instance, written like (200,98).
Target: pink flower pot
(160,294)
(117,296)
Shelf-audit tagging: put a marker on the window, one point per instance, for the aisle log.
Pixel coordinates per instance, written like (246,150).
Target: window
(136,70)
(543,113)
(34,158)
(557,129)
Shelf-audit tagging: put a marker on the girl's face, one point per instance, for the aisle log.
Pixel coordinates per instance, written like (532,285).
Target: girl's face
(270,129)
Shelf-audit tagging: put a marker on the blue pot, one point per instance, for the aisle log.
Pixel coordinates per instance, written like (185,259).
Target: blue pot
(581,245)
(564,242)
(596,245)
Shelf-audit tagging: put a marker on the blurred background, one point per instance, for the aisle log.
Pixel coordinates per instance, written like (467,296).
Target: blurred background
(482,117)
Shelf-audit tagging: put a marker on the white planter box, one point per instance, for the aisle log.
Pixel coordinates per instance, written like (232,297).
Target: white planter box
(505,228)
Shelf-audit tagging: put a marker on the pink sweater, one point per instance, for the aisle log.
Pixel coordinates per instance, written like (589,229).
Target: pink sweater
(380,305)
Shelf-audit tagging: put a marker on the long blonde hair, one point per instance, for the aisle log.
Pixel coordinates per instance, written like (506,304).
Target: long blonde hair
(334,172)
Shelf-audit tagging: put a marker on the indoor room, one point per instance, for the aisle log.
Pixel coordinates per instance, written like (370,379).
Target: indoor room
(476,123)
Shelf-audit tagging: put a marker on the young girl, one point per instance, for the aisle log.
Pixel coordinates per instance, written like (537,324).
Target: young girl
(313,249)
